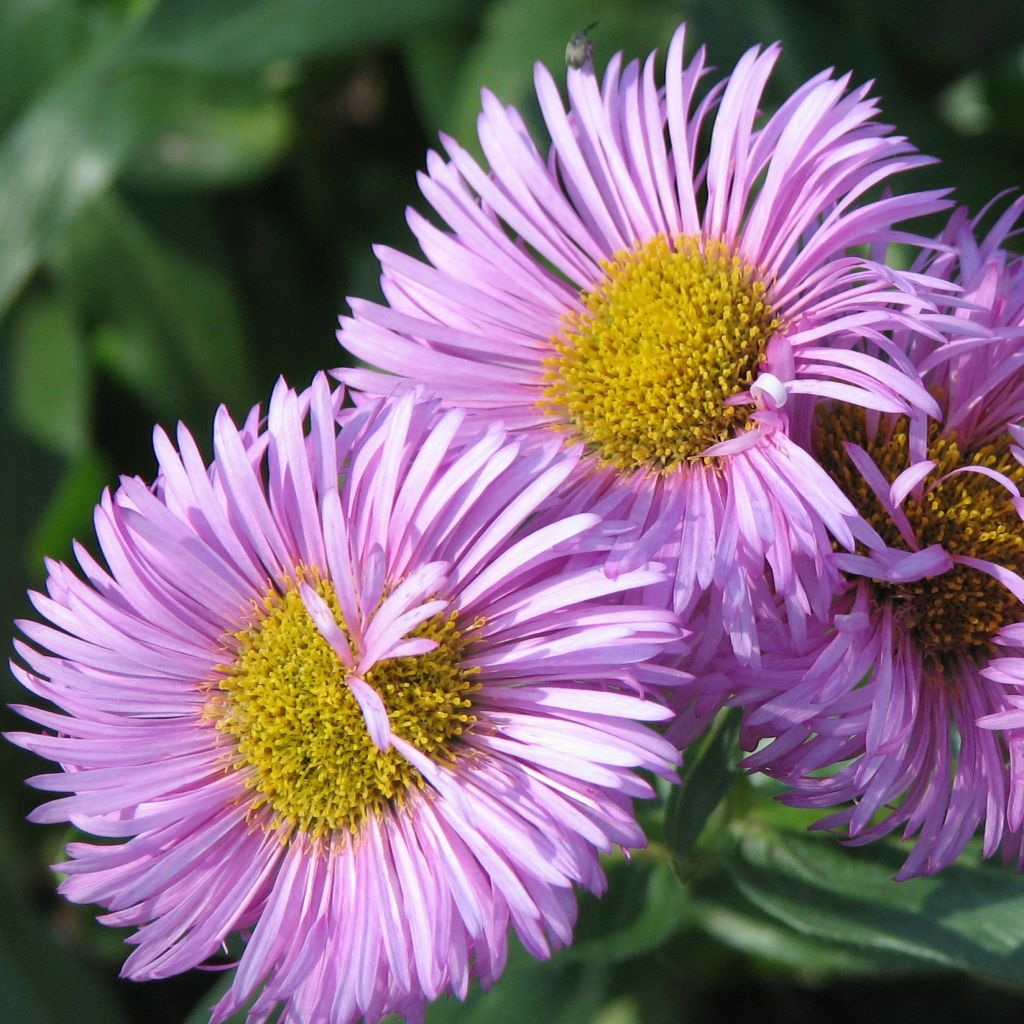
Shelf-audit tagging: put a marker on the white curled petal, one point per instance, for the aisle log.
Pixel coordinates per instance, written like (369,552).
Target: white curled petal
(769,392)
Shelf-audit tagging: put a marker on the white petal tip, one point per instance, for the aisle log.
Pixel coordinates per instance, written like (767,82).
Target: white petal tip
(769,392)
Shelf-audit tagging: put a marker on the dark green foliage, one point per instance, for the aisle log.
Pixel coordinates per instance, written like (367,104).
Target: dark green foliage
(188,191)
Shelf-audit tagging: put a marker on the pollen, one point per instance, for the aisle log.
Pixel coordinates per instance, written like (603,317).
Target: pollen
(958,612)
(643,373)
(294,727)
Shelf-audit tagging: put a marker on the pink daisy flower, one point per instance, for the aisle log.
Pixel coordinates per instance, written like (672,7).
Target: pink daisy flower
(371,720)
(662,286)
(907,711)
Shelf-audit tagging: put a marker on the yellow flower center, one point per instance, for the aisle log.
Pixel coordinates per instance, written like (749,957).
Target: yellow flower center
(643,373)
(957,612)
(293,721)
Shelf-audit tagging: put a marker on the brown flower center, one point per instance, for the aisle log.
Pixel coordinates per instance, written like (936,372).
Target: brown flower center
(957,612)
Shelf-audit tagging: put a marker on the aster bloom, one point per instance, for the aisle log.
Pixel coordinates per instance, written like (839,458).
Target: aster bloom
(662,287)
(908,712)
(339,692)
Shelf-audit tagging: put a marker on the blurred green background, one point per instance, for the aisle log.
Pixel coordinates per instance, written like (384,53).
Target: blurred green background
(188,191)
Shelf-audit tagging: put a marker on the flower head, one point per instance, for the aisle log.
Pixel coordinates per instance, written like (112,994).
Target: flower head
(342,691)
(906,711)
(663,287)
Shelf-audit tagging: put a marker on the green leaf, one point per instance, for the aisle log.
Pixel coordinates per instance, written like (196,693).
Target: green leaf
(643,908)
(50,384)
(726,915)
(213,131)
(246,34)
(39,39)
(136,356)
(709,772)
(63,151)
(201,1012)
(430,57)
(44,982)
(68,513)
(116,263)
(71,140)
(553,991)
(969,917)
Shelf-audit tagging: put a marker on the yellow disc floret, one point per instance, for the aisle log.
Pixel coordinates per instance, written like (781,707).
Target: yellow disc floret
(641,376)
(957,612)
(294,724)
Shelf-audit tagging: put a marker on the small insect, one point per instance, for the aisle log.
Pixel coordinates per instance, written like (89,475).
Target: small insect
(580,50)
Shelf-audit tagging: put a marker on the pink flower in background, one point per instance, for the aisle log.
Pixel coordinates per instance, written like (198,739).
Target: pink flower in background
(370,720)
(907,711)
(664,286)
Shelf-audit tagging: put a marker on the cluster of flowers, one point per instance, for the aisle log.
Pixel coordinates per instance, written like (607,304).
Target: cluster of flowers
(653,430)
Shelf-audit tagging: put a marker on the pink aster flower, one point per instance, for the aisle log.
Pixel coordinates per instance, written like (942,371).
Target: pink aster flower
(663,286)
(370,721)
(906,712)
